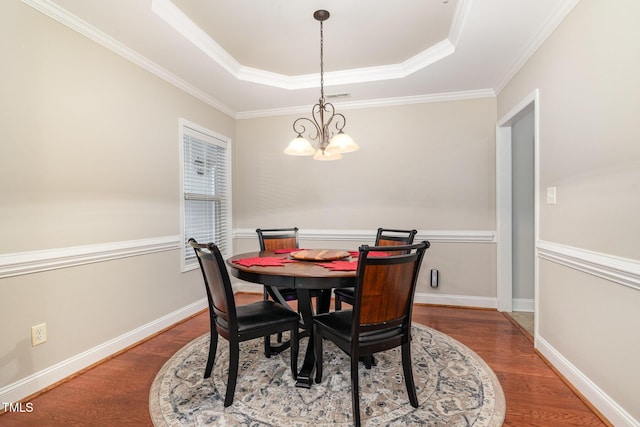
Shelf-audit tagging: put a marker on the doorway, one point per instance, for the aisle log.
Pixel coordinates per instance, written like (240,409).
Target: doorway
(517,212)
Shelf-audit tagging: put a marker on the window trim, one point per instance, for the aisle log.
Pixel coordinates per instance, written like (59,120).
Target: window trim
(182,125)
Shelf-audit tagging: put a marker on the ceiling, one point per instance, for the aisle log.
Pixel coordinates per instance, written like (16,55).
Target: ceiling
(262,57)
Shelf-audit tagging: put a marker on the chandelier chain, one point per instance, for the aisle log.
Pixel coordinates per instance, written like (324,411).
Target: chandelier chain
(321,62)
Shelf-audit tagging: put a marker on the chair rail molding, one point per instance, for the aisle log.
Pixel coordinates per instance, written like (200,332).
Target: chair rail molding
(624,271)
(441,236)
(20,263)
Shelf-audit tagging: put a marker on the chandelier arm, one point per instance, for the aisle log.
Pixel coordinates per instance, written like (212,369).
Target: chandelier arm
(300,128)
(341,121)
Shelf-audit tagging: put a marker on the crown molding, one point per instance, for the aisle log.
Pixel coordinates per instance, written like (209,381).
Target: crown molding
(540,36)
(374,103)
(174,17)
(59,14)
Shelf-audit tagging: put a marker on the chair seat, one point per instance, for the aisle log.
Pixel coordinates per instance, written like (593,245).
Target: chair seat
(263,314)
(339,324)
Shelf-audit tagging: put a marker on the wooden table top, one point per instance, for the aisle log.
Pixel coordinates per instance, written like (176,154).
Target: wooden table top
(307,274)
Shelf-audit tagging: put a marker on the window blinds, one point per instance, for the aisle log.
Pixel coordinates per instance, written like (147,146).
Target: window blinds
(206,190)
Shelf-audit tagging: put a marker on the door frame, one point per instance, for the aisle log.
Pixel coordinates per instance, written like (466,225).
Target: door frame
(504,201)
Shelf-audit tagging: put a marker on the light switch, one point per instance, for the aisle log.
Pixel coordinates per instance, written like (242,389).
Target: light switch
(551,195)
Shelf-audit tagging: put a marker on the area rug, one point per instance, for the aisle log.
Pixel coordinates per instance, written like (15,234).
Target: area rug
(455,388)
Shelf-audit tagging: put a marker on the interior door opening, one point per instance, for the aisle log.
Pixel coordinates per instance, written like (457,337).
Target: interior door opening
(517,210)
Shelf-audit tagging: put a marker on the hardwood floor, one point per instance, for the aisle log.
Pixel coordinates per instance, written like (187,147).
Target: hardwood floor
(116,392)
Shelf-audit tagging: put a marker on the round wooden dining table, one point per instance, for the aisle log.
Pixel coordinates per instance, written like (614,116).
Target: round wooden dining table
(303,275)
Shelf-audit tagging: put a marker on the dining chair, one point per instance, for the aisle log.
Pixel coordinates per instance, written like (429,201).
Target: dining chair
(272,239)
(384,237)
(381,316)
(239,323)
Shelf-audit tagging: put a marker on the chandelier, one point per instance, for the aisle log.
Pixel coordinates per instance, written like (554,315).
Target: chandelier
(332,142)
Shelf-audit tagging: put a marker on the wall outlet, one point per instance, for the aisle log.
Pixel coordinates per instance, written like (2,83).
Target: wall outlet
(551,195)
(38,334)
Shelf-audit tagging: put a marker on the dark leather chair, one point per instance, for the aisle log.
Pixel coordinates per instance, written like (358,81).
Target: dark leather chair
(384,237)
(381,316)
(272,239)
(239,323)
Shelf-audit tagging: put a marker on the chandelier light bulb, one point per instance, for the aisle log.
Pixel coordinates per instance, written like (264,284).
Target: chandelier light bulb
(326,156)
(299,146)
(342,143)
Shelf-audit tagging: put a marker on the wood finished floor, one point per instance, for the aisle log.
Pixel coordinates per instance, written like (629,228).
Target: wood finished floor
(116,392)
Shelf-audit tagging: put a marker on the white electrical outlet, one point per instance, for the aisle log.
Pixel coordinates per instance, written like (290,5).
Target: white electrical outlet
(38,334)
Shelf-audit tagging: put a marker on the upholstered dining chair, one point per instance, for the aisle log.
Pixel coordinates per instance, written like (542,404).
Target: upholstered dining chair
(239,323)
(273,239)
(384,237)
(381,316)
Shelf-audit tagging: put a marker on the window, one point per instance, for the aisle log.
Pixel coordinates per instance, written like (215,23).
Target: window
(206,190)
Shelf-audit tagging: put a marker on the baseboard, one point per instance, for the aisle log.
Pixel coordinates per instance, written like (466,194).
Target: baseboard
(615,414)
(420,298)
(55,373)
(523,304)
(456,300)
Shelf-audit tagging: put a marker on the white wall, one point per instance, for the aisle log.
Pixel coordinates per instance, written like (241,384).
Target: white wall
(89,194)
(589,275)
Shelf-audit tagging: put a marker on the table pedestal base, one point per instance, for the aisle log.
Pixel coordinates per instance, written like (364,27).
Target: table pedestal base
(305,376)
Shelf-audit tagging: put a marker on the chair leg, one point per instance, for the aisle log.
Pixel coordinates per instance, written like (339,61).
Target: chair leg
(267,346)
(234,358)
(267,338)
(355,390)
(408,374)
(294,351)
(213,347)
(317,344)
(338,304)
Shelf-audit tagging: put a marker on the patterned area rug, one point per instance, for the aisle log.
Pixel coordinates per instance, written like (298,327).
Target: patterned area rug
(455,388)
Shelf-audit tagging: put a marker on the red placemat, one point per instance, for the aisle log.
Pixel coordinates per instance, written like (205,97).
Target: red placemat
(340,265)
(263,261)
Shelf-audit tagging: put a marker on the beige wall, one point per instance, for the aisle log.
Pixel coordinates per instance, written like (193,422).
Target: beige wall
(89,155)
(587,74)
(426,166)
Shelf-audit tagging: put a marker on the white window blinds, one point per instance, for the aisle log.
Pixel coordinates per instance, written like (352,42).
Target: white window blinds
(206,190)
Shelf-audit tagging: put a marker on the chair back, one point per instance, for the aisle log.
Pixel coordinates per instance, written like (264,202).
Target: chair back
(271,239)
(385,287)
(391,237)
(222,306)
